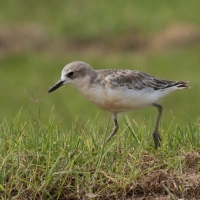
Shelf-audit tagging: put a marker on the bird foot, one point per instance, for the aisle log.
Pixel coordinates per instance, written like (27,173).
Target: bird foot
(157,139)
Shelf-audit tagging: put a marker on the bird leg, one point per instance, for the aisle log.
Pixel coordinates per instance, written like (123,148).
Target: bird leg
(115,129)
(156,135)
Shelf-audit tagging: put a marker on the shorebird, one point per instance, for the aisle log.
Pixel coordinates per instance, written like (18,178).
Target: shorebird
(119,90)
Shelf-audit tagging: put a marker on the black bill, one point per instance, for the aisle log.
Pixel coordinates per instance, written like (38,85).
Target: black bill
(56,86)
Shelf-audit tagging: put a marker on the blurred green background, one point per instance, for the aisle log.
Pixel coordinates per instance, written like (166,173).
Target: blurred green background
(38,38)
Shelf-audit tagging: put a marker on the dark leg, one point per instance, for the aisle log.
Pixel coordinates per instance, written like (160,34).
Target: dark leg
(156,135)
(115,129)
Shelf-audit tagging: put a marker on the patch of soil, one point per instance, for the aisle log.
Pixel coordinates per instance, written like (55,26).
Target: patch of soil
(22,38)
(161,182)
(178,35)
(32,37)
(155,182)
(132,41)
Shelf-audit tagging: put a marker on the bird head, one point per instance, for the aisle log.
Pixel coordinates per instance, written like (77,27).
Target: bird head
(75,74)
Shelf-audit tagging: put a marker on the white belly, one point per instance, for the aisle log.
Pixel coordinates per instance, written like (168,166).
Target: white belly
(121,100)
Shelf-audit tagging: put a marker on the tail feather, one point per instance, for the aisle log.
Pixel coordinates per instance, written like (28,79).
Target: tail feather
(164,84)
(182,84)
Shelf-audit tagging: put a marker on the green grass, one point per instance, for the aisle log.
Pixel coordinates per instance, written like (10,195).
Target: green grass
(40,161)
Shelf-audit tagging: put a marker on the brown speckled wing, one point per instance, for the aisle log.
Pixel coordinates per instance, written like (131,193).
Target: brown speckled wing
(136,80)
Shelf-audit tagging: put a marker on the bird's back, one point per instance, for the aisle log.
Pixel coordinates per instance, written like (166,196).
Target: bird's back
(135,80)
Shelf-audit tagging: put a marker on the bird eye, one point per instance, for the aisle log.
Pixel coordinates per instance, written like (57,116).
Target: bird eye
(70,74)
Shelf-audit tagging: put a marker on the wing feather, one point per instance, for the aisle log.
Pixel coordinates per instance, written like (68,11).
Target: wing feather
(136,80)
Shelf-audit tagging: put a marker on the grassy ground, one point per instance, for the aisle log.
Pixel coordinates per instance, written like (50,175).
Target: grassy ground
(53,149)
(40,161)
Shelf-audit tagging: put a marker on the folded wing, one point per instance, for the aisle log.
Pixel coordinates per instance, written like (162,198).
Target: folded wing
(138,81)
